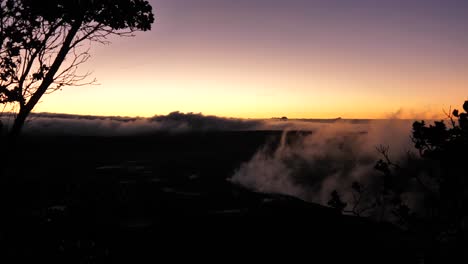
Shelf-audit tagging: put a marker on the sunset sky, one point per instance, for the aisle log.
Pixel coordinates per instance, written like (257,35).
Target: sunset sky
(295,58)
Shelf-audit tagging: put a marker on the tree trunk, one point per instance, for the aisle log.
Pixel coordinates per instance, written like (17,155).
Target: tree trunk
(18,124)
(46,82)
(25,109)
(7,178)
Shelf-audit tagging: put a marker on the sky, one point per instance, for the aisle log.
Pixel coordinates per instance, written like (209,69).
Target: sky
(270,58)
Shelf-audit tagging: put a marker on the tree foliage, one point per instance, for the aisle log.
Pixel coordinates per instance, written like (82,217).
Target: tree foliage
(43,43)
(439,174)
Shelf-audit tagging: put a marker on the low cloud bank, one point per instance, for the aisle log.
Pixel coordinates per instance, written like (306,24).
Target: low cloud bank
(65,124)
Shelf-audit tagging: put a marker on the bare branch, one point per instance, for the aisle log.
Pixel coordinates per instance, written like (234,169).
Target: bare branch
(449,115)
(384,151)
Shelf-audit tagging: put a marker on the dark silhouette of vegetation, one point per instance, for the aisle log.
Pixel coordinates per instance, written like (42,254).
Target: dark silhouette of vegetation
(438,175)
(43,43)
(336,201)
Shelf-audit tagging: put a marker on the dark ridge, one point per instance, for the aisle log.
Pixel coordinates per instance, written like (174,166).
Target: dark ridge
(134,199)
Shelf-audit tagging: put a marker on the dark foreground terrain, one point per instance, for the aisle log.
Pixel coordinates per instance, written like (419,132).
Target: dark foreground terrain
(148,198)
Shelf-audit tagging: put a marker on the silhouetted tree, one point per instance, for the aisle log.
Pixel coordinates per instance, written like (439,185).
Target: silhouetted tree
(443,153)
(449,148)
(336,201)
(44,42)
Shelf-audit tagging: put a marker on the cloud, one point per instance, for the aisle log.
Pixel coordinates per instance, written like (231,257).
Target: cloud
(314,157)
(176,122)
(332,157)
(64,124)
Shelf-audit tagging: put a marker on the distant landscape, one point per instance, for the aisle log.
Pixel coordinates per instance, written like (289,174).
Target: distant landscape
(147,131)
(117,199)
(223,174)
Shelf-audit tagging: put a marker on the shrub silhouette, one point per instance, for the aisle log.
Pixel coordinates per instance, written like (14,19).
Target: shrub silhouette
(449,148)
(439,174)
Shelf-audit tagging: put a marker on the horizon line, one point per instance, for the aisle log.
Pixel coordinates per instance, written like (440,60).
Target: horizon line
(275,118)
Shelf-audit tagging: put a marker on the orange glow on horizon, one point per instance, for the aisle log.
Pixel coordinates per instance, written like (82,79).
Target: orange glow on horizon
(312,63)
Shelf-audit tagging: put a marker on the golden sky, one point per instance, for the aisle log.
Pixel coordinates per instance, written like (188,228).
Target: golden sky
(301,59)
